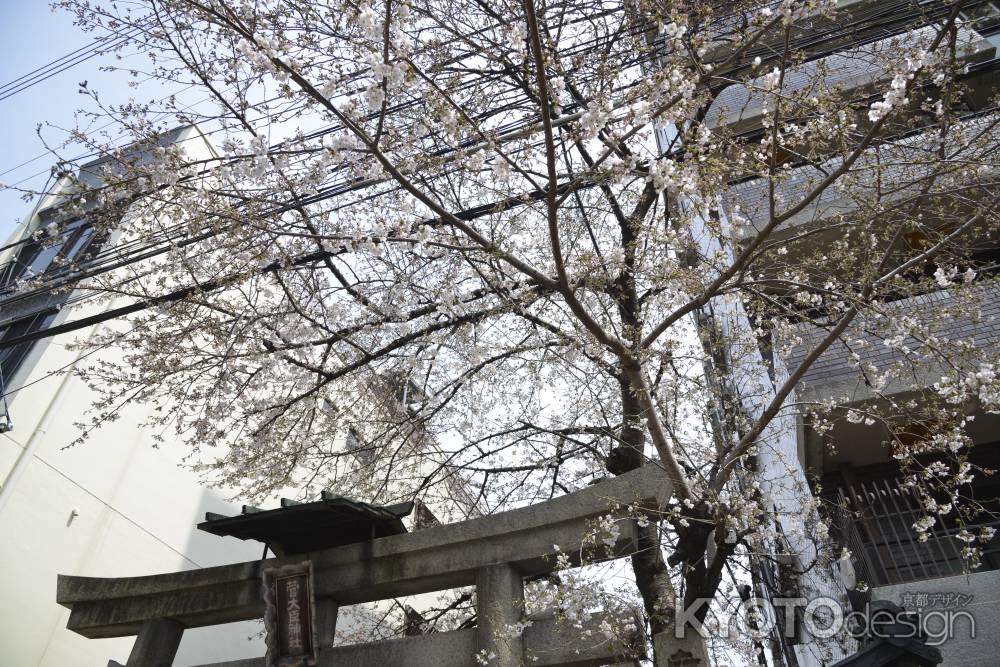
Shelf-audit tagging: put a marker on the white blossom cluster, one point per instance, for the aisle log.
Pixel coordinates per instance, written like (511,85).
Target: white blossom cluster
(666,174)
(594,119)
(897,95)
(982,385)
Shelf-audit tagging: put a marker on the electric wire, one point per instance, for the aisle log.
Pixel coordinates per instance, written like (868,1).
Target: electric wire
(69,61)
(159,244)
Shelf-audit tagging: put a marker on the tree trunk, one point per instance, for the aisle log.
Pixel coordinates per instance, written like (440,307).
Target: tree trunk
(652,577)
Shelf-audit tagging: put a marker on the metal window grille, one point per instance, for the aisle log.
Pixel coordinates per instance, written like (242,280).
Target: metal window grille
(876,520)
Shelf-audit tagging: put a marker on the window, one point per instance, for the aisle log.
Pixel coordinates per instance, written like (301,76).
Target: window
(409,395)
(48,251)
(984,16)
(874,513)
(11,358)
(363,452)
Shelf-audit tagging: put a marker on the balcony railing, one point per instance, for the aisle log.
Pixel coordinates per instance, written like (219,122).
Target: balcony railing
(875,522)
(835,375)
(854,73)
(902,161)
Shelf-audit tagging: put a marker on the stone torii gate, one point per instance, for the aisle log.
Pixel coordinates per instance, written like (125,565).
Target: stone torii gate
(493,553)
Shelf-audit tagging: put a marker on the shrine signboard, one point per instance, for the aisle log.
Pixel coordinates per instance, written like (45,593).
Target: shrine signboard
(289,616)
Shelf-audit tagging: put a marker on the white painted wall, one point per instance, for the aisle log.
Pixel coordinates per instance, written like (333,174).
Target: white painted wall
(136,508)
(137,515)
(964,632)
(136,511)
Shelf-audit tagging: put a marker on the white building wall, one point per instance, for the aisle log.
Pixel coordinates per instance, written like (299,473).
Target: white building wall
(118,505)
(136,514)
(958,614)
(114,506)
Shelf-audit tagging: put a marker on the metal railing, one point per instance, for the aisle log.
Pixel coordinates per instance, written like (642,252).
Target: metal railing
(876,522)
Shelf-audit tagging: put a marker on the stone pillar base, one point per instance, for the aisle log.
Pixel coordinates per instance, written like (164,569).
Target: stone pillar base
(687,652)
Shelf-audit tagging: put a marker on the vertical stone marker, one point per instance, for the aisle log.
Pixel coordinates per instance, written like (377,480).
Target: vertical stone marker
(289,616)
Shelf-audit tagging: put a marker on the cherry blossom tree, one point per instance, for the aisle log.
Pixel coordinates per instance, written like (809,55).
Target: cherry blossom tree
(522,243)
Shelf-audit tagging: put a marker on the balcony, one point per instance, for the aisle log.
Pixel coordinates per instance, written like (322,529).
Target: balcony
(873,516)
(852,73)
(855,21)
(905,161)
(836,374)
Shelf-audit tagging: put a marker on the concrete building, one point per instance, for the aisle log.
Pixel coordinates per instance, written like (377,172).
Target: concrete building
(869,506)
(119,504)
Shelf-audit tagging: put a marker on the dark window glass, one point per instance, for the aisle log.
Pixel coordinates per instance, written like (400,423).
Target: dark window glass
(76,246)
(11,358)
(984,16)
(42,254)
(357,446)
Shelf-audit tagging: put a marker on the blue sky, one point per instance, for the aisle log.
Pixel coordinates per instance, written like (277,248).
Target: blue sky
(31,36)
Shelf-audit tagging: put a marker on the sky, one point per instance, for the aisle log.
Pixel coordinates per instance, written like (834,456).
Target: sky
(32,36)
